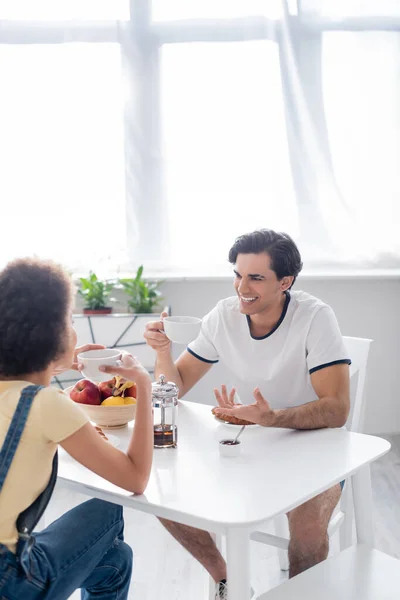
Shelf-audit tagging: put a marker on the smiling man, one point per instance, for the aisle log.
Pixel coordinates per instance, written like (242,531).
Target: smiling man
(290,368)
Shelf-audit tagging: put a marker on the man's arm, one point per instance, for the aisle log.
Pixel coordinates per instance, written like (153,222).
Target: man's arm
(332,386)
(185,372)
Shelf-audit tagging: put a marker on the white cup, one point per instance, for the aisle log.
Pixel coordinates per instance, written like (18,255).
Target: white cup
(93,359)
(182,330)
(228,449)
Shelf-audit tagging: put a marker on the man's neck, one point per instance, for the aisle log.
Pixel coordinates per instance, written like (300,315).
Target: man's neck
(262,323)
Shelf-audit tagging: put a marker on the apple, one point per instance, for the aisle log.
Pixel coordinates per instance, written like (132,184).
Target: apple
(106,388)
(85,392)
(130,392)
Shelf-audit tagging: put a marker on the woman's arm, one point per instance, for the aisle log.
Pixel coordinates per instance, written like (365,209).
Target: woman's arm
(130,471)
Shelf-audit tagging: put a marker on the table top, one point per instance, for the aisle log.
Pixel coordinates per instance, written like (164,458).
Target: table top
(277,470)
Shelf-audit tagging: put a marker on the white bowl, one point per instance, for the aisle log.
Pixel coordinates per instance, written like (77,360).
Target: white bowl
(110,417)
(182,330)
(230,450)
(93,359)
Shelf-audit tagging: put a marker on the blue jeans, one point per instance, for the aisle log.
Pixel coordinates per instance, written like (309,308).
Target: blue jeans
(82,549)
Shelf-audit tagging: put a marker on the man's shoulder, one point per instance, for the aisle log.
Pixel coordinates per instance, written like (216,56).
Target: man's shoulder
(231,303)
(305,303)
(226,309)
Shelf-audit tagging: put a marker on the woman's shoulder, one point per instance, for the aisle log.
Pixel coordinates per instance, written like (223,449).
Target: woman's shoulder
(60,415)
(52,393)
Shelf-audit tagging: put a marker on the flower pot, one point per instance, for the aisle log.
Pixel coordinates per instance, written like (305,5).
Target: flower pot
(106,310)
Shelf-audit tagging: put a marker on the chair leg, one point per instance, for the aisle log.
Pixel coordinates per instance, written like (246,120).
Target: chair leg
(346,528)
(282,530)
(217,537)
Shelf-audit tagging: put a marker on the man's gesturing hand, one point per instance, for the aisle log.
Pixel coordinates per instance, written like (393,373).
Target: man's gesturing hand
(260,412)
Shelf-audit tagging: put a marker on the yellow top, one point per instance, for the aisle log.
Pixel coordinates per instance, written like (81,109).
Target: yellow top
(52,418)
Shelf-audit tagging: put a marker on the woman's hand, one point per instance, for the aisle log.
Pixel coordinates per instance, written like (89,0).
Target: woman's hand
(75,366)
(131,369)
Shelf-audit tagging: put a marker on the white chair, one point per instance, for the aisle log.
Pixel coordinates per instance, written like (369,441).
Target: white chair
(342,519)
(357,573)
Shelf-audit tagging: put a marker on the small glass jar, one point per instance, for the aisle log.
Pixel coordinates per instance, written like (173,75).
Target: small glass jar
(165,406)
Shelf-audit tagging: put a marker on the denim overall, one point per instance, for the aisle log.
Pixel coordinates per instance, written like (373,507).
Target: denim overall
(84,548)
(28,519)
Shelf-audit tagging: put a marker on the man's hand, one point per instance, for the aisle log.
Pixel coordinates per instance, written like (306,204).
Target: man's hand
(224,399)
(155,336)
(61,368)
(260,412)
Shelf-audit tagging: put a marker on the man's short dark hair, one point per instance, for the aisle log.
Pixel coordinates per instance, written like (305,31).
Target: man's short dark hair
(35,299)
(284,254)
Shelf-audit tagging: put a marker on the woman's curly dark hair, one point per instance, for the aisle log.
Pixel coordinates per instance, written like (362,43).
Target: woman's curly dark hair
(35,299)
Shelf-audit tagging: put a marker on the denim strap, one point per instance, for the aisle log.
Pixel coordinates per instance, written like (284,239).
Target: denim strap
(15,430)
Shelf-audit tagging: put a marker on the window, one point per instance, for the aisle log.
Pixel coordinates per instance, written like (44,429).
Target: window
(214,9)
(53,10)
(225,147)
(362,99)
(157,130)
(61,152)
(351,8)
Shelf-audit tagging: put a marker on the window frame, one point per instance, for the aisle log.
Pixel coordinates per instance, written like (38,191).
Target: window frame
(140,41)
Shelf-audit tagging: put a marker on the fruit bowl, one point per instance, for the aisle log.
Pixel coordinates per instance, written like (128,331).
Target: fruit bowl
(109,417)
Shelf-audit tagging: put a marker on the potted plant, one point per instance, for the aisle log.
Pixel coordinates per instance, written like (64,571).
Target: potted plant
(143,296)
(96,295)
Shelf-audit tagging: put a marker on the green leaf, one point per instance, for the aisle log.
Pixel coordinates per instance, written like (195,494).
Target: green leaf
(94,291)
(139,273)
(143,296)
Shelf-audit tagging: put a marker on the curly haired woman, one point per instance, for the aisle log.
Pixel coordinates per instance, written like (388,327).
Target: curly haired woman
(85,547)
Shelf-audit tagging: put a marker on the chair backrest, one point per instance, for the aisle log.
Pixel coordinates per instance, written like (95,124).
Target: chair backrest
(358,351)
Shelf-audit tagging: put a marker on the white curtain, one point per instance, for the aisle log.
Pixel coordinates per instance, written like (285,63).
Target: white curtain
(157,136)
(361,86)
(342,94)
(62,180)
(325,170)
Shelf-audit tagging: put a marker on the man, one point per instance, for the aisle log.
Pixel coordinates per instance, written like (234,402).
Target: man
(285,349)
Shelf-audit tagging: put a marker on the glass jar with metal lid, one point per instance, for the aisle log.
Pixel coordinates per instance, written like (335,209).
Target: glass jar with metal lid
(165,406)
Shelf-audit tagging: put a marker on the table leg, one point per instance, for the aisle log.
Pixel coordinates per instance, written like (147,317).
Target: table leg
(238,563)
(217,538)
(363,506)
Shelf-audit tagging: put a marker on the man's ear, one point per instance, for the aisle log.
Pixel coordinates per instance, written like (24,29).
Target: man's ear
(286,282)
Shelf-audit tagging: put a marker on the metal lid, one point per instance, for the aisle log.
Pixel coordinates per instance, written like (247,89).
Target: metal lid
(164,389)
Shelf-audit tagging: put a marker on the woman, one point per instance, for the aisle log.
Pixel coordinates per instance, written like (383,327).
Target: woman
(85,547)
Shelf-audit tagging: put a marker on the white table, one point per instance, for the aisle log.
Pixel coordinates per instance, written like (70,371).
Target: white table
(278,470)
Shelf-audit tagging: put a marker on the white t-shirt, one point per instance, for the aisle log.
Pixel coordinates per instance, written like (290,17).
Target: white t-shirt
(305,339)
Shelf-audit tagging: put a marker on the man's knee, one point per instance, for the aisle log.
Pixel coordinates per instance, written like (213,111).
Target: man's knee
(310,521)
(308,535)
(308,528)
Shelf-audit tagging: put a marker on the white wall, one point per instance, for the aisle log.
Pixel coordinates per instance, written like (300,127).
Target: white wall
(364,308)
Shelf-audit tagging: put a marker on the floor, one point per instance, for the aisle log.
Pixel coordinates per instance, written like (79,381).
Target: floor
(164,570)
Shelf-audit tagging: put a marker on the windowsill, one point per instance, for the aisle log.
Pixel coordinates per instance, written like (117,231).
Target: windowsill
(359,275)
(202,274)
